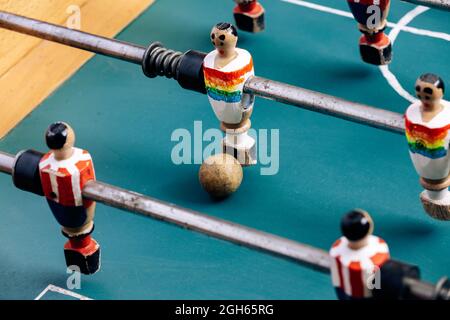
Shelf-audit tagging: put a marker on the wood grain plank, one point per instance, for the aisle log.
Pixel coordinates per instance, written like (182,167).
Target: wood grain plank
(31,69)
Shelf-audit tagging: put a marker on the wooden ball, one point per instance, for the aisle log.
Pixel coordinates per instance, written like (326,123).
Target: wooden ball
(220,175)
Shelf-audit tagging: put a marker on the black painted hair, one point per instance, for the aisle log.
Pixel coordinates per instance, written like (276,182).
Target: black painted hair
(227,27)
(434,80)
(355,225)
(56,135)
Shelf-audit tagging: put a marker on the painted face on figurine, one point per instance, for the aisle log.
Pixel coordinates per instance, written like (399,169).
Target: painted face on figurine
(427,92)
(70,138)
(224,38)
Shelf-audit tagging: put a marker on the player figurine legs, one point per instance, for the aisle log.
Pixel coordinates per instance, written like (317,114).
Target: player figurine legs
(64,171)
(375,48)
(249,15)
(226,69)
(427,123)
(238,143)
(374,45)
(81,251)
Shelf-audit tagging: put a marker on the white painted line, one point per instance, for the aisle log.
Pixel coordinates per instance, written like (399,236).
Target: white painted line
(423,32)
(42,293)
(62,291)
(342,13)
(405,20)
(395,84)
(390,77)
(396,29)
(319,7)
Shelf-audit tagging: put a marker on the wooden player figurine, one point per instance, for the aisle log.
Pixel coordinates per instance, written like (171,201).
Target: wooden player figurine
(226,69)
(356,257)
(428,134)
(371,15)
(64,171)
(249,15)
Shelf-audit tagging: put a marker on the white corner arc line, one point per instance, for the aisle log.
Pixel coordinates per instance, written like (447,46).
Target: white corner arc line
(43,292)
(319,7)
(396,29)
(342,13)
(405,20)
(390,77)
(62,291)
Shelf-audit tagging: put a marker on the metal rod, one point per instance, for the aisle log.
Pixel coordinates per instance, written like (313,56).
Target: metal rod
(130,201)
(315,258)
(134,202)
(420,290)
(74,38)
(326,104)
(6,162)
(437,4)
(265,88)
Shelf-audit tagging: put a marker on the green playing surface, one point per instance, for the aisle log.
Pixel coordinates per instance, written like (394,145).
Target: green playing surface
(327,166)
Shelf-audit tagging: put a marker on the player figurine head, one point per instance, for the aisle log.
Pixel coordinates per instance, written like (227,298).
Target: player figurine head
(430,90)
(60,138)
(357,258)
(357,226)
(224,38)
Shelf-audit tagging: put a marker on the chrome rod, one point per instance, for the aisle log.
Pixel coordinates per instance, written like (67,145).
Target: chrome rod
(6,162)
(264,88)
(137,203)
(437,4)
(303,254)
(326,104)
(74,38)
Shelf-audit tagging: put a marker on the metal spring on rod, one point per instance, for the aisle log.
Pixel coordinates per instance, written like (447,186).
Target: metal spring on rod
(160,61)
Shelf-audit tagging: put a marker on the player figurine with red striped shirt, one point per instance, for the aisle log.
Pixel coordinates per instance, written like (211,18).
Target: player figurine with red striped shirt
(249,15)
(356,258)
(371,15)
(225,71)
(64,171)
(427,123)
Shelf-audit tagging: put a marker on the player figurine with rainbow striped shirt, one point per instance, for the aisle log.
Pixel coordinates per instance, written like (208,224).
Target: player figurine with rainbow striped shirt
(428,134)
(371,15)
(64,171)
(357,257)
(225,70)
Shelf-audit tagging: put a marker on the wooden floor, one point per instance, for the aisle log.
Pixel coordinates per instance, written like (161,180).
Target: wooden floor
(31,69)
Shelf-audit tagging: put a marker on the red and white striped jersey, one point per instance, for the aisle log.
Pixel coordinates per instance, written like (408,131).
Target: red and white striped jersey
(351,269)
(63,181)
(364,12)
